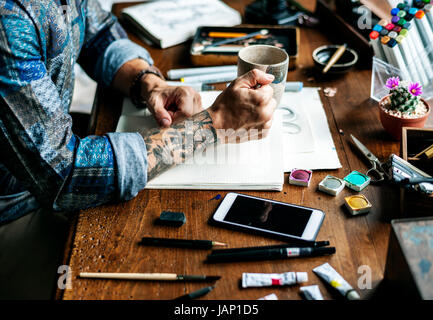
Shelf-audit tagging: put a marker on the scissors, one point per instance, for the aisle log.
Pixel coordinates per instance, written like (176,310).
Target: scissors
(376,172)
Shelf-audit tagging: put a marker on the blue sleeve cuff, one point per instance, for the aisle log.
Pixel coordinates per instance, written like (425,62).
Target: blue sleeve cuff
(118,53)
(131,160)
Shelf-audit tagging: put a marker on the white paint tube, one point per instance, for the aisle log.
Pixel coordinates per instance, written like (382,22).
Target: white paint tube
(312,292)
(273,279)
(328,273)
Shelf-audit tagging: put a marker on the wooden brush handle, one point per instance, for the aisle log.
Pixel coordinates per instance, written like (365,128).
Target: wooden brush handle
(129,276)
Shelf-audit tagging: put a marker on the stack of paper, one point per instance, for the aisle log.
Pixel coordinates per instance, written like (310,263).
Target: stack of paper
(252,165)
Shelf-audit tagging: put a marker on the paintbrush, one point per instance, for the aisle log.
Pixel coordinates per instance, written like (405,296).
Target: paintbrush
(148,276)
(337,55)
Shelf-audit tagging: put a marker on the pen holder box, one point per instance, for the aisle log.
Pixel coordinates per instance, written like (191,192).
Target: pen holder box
(407,271)
(382,70)
(414,140)
(282,36)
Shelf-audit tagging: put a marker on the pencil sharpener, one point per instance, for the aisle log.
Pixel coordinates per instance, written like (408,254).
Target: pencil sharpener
(300,177)
(323,54)
(357,181)
(331,185)
(357,204)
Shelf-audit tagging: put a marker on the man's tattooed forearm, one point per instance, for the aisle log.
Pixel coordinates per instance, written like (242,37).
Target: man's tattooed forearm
(170,146)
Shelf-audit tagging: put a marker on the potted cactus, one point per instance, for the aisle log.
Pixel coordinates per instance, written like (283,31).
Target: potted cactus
(403,107)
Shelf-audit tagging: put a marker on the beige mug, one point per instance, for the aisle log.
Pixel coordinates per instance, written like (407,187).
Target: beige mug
(269,59)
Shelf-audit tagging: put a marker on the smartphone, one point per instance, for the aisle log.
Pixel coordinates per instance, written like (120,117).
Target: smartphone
(267,217)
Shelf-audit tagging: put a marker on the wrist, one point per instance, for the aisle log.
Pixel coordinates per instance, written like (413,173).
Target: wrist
(148,78)
(150,82)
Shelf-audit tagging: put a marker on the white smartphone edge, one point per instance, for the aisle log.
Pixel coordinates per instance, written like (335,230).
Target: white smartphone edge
(311,229)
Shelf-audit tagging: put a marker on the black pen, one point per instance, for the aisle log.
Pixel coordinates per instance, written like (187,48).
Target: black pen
(196,294)
(180,243)
(316,244)
(269,254)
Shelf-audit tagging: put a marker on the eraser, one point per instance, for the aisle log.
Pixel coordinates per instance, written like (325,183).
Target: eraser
(331,185)
(300,177)
(357,204)
(357,181)
(174,219)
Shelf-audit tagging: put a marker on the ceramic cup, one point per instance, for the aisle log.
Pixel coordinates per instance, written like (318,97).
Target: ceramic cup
(269,59)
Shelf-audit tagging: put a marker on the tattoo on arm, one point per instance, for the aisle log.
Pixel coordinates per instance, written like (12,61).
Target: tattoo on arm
(171,146)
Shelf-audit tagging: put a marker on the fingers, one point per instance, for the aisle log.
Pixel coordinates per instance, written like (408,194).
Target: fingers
(253,78)
(162,116)
(188,103)
(267,112)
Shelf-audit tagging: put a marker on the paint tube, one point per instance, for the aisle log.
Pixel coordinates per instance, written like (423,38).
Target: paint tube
(312,292)
(273,279)
(328,273)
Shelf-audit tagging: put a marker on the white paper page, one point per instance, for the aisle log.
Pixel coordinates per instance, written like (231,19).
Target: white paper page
(174,21)
(325,155)
(252,165)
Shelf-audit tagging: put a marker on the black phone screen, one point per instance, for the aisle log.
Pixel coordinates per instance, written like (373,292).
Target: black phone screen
(270,216)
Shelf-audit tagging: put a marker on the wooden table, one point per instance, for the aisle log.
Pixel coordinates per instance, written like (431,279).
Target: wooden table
(104,239)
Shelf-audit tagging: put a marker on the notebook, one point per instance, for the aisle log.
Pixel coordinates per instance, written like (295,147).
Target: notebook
(170,22)
(252,165)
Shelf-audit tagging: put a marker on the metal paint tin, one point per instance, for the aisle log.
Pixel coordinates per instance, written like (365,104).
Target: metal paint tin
(300,177)
(357,181)
(357,204)
(331,185)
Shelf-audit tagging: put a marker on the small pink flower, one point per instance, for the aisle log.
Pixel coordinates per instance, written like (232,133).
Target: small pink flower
(415,89)
(392,83)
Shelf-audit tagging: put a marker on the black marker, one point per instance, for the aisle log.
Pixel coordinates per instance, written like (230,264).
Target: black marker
(316,244)
(269,254)
(180,243)
(196,294)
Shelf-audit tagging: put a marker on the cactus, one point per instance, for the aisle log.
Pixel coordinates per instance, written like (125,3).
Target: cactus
(404,97)
(402,100)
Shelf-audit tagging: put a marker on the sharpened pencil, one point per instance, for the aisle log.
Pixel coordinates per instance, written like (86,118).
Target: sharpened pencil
(148,276)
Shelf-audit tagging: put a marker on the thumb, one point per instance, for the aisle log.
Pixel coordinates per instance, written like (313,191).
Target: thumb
(162,116)
(253,78)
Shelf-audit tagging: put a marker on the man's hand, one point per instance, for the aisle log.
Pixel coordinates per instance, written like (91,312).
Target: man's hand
(169,104)
(246,104)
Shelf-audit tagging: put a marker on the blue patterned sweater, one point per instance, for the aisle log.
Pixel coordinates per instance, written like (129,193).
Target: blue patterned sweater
(42,162)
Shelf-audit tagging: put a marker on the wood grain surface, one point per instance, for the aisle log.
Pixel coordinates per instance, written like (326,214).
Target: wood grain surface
(105,238)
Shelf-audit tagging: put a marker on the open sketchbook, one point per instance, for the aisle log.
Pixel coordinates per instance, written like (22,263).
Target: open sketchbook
(252,165)
(170,22)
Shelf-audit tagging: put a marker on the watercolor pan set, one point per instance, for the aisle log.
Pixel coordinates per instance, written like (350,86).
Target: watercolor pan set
(357,181)
(331,185)
(357,204)
(300,177)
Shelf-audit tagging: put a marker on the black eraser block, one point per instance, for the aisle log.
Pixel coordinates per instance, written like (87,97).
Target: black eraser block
(174,219)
